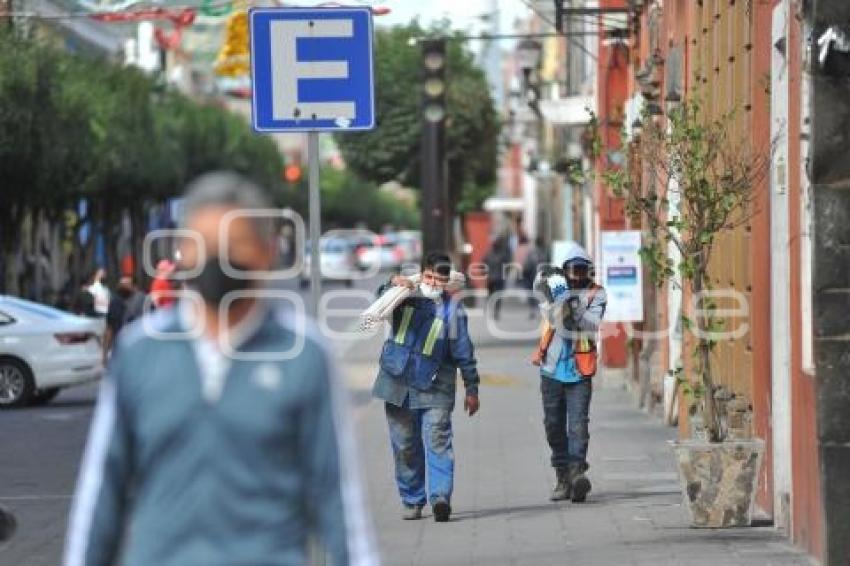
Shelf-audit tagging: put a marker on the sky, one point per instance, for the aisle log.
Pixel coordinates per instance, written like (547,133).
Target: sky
(464,14)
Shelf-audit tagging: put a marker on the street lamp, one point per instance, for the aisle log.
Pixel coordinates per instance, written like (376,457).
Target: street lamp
(528,56)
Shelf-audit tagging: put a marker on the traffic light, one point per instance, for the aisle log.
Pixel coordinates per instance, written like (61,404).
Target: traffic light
(434,80)
(435,196)
(292,173)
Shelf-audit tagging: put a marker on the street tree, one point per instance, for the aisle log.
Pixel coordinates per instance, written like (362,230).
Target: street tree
(690,181)
(392,151)
(77,130)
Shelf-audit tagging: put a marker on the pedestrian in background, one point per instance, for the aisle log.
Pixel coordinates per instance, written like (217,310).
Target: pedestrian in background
(83,302)
(417,381)
(534,260)
(497,257)
(163,285)
(220,434)
(125,306)
(99,291)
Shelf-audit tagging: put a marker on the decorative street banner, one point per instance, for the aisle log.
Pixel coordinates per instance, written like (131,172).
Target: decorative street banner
(621,275)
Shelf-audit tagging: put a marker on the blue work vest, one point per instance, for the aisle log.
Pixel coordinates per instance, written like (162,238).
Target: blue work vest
(418,345)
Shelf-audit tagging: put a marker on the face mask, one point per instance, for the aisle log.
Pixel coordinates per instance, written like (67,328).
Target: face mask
(430,292)
(212,283)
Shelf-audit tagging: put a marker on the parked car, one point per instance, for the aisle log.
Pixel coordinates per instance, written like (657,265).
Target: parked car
(361,241)
(410,242)
(338,261)
(385,253)
(43,350)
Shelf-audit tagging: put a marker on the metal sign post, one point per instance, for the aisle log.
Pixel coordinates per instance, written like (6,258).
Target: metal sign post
(315,222)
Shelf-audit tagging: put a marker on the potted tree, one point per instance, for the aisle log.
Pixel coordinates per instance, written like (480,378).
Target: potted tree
(690,180)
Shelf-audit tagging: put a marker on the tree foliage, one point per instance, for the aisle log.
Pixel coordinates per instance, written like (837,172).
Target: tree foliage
(75,128)
(348,200)
(392,151)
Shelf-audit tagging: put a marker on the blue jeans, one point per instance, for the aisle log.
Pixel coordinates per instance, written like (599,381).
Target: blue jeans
(422,442)
(566,409)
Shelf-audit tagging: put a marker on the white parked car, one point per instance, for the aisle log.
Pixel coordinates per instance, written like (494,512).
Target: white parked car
(410,242)
(43,350)
(338,261)
(385,253)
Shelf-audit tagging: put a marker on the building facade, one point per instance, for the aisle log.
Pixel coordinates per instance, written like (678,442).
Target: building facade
(745,58)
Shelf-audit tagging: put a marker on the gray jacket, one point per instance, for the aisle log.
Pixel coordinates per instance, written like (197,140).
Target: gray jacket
(569,324)
(169,477)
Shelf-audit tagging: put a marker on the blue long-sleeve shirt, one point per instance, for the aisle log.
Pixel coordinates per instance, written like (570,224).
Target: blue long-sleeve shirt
(172,476)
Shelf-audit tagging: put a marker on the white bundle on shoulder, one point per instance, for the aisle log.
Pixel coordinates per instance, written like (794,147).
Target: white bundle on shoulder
(383,307)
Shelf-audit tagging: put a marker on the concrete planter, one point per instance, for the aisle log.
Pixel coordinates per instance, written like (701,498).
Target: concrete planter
(719,480)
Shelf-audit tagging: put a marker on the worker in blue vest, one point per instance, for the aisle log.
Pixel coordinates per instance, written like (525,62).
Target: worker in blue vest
(417,381)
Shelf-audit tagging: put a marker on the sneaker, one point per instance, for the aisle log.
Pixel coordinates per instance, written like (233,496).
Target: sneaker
(412,512)
(561,491)
(581,485)
(442,511)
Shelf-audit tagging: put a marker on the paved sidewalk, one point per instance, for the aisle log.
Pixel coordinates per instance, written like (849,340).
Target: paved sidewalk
(502,514)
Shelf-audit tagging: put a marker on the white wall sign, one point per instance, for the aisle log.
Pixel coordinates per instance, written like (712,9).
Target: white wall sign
(621,275)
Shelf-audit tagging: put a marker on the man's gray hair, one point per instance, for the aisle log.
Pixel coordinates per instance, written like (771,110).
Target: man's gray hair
(229,189)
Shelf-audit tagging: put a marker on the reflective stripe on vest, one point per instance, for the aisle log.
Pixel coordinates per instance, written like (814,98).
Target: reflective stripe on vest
(405,323)
(433,334)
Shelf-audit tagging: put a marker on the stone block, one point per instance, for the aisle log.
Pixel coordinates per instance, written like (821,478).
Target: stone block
(719,480)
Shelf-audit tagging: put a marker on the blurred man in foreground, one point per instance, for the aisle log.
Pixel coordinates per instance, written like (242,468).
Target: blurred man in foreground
(220,435)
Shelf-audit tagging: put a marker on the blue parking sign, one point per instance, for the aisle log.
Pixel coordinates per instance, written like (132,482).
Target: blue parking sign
(312,69)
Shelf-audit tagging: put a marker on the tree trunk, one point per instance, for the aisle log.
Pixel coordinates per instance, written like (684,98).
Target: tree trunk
(704,358)
(37,275)
(647,399)
(137,220)
(25,239)
(109,242)
(10,261)
(10,234)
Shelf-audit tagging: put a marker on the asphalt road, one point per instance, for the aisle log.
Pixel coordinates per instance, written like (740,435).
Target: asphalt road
(41,447)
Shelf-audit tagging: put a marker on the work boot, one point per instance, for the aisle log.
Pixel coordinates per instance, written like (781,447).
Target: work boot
(412,512)
(561,492)
(580,483)
(442,511)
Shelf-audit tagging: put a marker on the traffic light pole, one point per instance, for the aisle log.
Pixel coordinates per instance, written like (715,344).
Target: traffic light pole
(434,174)
(315,222)
(435,229)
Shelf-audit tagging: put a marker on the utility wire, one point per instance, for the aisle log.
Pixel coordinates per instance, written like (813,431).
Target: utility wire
(140,7)
(530,5)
